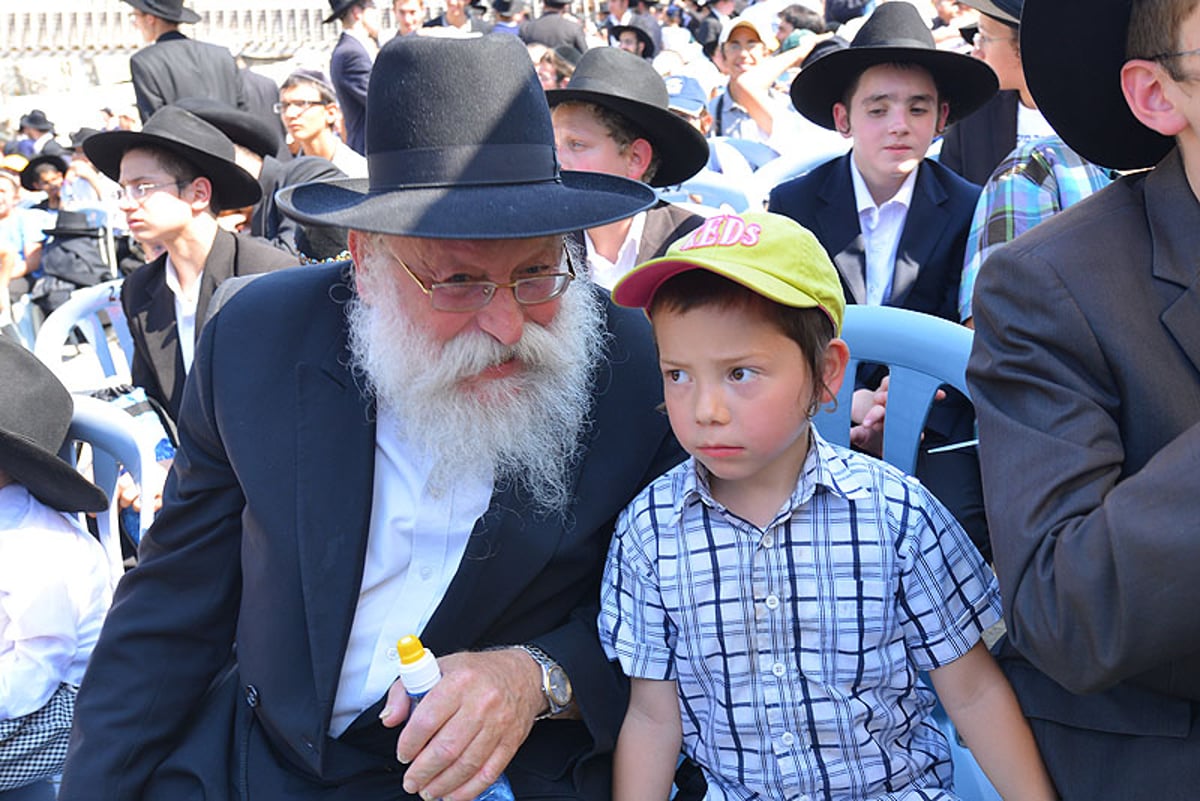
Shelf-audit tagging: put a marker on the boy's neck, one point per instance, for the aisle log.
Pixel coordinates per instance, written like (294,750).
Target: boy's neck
(608,239)
(882,189)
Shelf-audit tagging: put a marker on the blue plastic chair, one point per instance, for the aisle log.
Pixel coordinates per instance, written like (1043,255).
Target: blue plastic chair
(710,189)
(116,442)
(82,313)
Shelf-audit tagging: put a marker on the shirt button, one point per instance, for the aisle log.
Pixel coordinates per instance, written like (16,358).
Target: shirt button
(768,540)
(787,738)
(779,670)
(772,602)
(426,572)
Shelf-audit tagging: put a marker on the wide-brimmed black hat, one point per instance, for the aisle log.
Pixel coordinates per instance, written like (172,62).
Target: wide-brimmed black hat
(192,139)
(72,223)
(893,34)
(1081,96)
(620,81)
(337,8)
(36,120)
(460,146)
(29,173)
(81,136)
(35,414)
(170,10)
(243,128)
(636,27)
(1004,10)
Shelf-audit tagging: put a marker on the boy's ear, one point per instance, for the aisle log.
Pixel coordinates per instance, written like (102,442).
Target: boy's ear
(943,115)
(841,119)
(640,152)
(833,368)
(1149,92)
(359,246)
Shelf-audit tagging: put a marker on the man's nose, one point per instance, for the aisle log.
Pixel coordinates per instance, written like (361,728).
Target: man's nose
(503,318)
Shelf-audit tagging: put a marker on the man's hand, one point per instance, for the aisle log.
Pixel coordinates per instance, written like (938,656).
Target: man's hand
(463,734)
(130,494)
(867,411)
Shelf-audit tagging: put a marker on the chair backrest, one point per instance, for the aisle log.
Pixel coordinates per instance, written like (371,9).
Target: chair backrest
(922,353)
(709,189)
(83,313)
(116,441)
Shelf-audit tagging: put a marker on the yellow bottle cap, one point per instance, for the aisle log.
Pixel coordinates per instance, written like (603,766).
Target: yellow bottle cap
(410,649)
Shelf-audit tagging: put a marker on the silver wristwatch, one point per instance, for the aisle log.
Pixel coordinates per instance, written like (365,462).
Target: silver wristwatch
(555,684)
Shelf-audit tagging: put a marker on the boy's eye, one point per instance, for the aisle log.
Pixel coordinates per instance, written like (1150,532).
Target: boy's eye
(741,374)
(675,376)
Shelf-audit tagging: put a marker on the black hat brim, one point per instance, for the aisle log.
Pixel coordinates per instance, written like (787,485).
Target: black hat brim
(990,8)
(235,187)
(578,200)
(48,478)
(1081,96)
(964,82)
(29,173)
(682,150)
(186,15)
(648,48)
(90,232)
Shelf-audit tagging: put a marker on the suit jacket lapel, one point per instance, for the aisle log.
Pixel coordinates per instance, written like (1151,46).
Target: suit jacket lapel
(923,228)
(837,221)
(157,318)
(217,267)
(1170,208)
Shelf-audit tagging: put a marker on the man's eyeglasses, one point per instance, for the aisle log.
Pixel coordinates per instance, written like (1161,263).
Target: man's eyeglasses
(1169,56)
(139,192)
(469,296)
(977,38)
(303,105)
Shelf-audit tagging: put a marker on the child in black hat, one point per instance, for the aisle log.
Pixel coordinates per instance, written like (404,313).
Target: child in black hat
(894,222)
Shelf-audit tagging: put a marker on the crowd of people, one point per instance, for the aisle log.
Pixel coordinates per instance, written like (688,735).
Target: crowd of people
(445,340)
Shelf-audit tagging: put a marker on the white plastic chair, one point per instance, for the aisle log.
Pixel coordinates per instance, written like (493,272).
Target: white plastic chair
(82,313)
(116,442)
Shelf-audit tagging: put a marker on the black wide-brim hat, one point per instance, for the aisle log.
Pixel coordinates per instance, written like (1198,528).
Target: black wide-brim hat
(1008,11)
(35,415)
(337,9)
(620,81)
(195,141)
(893,34)
(29,172)
(170,10)
(643,36)
(243,128)
(1081,96)
(460,146)
(72,223)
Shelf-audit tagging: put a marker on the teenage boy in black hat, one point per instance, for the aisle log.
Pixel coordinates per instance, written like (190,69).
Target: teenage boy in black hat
(436,439)
(55,584)
(615,117)
(351,61)
(176,175)
(895,223)
(174,66)
(1086,378)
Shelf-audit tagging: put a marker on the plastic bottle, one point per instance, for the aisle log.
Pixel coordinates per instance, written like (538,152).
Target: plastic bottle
(419,671)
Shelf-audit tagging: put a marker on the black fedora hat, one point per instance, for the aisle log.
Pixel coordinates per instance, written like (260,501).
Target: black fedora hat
(337,8)
(192,139)
(243,128)
(170,10)
(460,146)
(29,173)
(635,26)
(893,34)
(81,136)
(72,223)
(36,120)
(1004,10)
(620,81)
(35,414)
(1081,96)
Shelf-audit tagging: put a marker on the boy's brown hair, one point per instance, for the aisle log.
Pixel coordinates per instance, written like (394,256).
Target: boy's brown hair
(1154,27)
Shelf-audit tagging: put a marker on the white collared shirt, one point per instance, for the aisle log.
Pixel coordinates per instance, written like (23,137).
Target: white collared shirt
(881,228)
(416,540)
(606,273)
(185,312)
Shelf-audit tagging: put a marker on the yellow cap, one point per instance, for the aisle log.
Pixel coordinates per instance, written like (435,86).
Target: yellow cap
(410,649)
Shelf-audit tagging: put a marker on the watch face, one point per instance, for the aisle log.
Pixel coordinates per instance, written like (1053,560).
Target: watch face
(559,686)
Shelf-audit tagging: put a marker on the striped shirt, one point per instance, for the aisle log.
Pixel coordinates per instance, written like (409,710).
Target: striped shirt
(796,648)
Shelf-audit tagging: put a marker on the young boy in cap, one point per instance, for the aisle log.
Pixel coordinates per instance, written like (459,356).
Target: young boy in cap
(782,591)
(894,222)
(615,118)
(1086,378)
(176,175)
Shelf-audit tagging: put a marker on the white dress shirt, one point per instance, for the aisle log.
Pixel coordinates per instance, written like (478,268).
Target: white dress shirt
(55,590)
(881,227)
(185,312)
(416,540)
(606,273)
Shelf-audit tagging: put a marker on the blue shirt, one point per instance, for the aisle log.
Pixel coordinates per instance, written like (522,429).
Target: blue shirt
(797,647)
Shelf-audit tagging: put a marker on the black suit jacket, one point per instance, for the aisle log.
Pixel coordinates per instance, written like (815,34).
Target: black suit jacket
(552,29)
(176,66)
(665,222)
(350,71)
(150,309)
(261,544)
(268,220)
(974,146)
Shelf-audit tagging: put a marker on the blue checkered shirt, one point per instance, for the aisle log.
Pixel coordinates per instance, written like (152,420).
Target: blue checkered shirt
(796,648)
(1034,182)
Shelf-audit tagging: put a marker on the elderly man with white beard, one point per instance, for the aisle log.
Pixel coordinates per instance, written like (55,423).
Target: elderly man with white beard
(434,438)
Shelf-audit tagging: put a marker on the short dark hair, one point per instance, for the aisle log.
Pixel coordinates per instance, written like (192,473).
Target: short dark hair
(803,18)
(312,78)
(1154,27)
(852,87)
(811,328)
(623,131)
(180,169)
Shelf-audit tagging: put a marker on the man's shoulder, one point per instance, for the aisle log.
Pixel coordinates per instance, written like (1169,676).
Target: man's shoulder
(283,295)
(802,191)
(958,188)
(1103,220)
(255,254)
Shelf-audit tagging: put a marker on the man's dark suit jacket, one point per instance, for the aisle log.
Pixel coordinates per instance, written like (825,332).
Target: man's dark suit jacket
(261,544)
(974,146)
(350,71)
(665,222)
(270,223)
(553,30)
(176,66)
(1086,376)
(150,310)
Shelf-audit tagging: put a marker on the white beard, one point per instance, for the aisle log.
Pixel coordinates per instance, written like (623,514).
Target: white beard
(527,426)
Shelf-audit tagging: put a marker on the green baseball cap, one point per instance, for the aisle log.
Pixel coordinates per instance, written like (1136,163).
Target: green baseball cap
(769,254)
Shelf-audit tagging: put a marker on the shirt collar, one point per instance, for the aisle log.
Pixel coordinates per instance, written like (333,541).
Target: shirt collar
(606,273)
(187,299)
(862,194)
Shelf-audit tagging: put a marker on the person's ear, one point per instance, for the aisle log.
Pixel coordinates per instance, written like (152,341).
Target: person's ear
(200,193)
(637,158)
(833,369)
(943,115)
(841,119)
(1150,93)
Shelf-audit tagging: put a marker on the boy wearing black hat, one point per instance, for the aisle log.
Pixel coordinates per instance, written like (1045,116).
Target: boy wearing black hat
(895,223)
(615,118)
(1086,374)
(176,175)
